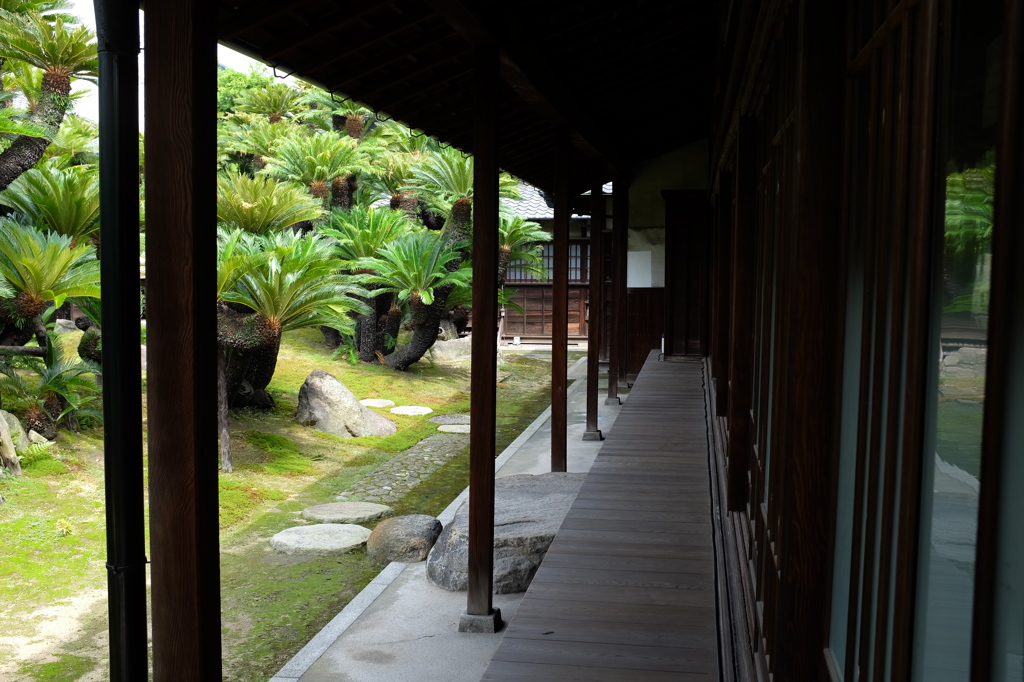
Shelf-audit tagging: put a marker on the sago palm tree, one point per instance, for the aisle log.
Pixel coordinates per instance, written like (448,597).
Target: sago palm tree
(419,269)
(251,137)
(262,204)
(299,284)
(275,101)
(361,233)
(77,140)
(40,267)
(60,387)
(329,113)
(445,180)
(62,52)
(520,242)
(64,200)
(317,161)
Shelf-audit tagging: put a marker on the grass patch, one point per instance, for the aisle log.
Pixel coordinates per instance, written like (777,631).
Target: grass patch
(958,434)
(238,500)
(284,456)
(66,668)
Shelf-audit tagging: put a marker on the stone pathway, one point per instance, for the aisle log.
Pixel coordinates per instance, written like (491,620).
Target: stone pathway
(450,419)
(411,410)
(395,479)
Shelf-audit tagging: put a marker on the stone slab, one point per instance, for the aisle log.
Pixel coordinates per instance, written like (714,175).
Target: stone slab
(411,410)
(347,512)
(454,428)
(324,539)
(450,419)
(377,402)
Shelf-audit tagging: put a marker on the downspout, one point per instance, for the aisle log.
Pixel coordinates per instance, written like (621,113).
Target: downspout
(117,30)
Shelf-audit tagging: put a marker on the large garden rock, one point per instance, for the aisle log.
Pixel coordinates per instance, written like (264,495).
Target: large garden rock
(453,350)
(323,539)
(403,538)
(327,405)
(528,510)
(347,512)
(18,434)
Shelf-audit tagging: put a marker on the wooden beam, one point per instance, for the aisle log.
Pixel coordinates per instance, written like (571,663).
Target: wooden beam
(531,78)
(254,15)
(596,293)
(479,612)
(181,147)
(560,303)
(117,28)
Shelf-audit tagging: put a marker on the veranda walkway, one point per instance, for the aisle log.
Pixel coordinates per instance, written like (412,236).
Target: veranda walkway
(627,591)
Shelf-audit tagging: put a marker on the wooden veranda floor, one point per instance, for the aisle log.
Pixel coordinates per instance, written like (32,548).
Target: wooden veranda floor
(626,591)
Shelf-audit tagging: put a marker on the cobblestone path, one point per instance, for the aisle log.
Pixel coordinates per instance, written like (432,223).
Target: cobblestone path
(395,479)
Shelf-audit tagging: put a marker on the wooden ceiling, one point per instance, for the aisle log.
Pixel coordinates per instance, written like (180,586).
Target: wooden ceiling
(630,79)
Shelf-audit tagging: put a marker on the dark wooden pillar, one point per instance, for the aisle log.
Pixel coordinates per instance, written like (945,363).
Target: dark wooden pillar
(614,342)
(560,302)
(742,268)
(595,328)
(117,27)
(620,245)
(480,616)
(181,152)
(811,319)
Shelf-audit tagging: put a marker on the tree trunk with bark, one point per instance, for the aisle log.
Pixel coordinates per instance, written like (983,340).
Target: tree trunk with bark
(222,409)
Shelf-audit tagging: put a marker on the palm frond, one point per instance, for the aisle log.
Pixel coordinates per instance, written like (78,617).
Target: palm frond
(66,51)
(66,200)
(415,266)
(362,232)
(262,204)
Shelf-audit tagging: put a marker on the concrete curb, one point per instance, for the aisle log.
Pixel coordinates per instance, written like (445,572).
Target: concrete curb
(315,648)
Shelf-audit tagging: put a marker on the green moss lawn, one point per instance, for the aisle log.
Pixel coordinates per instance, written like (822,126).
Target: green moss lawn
(52,577)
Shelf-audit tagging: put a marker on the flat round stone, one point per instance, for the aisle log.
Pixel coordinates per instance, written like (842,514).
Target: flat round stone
(450,419)
(454,428)
(377,402)
(347,512)
(324,539)
(411,409)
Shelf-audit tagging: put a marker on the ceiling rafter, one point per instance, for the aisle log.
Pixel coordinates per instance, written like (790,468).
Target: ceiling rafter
(241,20)
(318,28)
(528,77)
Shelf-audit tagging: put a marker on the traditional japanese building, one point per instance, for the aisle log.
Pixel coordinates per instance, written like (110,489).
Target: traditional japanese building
(840,186)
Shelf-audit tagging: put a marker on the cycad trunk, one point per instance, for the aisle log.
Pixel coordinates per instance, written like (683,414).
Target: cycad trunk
(222,409)
(25,152)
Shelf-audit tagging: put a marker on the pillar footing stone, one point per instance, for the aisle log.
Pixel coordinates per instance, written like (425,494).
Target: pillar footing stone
(593,435)
(469,622)
(612,401)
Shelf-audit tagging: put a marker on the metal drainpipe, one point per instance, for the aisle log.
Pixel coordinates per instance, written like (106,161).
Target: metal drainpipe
(117,28)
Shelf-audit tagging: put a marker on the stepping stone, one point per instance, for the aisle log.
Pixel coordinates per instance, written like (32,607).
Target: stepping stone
(346,512)
(450,419)
(377,402)
(454,428)
(411,409)
(324,539)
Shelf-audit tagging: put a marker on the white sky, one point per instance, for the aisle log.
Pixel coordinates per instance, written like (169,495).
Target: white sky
(88,106)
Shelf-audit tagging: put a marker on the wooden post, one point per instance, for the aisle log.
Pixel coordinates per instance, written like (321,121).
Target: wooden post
(617,356)
(117,26)
(596,291)
(480,616)
(560,303)
(181,150)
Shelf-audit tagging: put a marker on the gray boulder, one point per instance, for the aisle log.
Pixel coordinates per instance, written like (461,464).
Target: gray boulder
(327,405)
(528,510)
(453,349)
(18,434)
(403,538)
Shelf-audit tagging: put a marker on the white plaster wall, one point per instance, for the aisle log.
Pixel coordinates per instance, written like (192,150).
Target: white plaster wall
(639,274)
(683,168)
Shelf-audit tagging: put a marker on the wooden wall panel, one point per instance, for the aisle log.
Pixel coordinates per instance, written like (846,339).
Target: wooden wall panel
(644,325)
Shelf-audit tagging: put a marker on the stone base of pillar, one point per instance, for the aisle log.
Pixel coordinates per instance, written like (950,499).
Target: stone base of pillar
(612,401)
(593,435)
(470,622)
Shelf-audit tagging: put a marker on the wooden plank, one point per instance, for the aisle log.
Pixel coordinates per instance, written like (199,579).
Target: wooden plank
(627,588)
